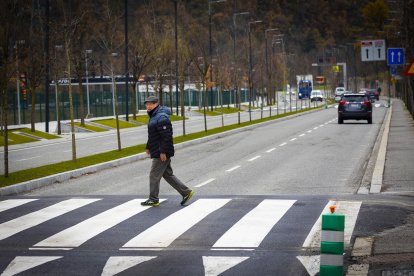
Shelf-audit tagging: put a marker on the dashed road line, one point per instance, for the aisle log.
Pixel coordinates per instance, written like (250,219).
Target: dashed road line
(281,145)
(303,134)
(205,183)
(234,168)
(293,139)
(270,150)
(25,159)
(254,158)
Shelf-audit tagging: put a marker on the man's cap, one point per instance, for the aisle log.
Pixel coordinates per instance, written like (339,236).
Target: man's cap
(151,99)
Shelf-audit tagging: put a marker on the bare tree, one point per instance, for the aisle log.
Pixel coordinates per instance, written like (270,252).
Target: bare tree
(109,37)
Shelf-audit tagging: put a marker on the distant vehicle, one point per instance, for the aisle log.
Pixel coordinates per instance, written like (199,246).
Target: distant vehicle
(339,91)
(372,94)
(356,106)
(320,80)
(316,96)
(304,85)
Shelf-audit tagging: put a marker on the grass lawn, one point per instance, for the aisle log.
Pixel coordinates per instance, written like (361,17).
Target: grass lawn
(112,123)
(29,174)
(15,138)
(90,127)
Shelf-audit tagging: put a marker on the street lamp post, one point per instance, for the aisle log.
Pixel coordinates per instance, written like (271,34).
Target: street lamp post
(234,59)
(17,78)
(269,99)
(59,129)
(251,68)
(210,48)
(87,81)
(279,40)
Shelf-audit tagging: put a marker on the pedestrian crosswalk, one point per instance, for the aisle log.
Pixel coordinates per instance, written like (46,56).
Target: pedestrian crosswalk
(217,230)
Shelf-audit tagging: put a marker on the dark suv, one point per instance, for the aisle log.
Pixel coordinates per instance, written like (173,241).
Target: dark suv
(354,107)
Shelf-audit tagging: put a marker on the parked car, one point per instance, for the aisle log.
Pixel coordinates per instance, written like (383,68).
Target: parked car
(316,95)
(356,106)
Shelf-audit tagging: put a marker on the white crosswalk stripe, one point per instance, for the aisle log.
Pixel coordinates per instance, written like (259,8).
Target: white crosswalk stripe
(12,203)
(244,234)
(260,221)
(166,231)
(87,229)
(17,225)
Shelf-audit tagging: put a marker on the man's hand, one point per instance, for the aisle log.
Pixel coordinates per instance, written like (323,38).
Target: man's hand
(163,157)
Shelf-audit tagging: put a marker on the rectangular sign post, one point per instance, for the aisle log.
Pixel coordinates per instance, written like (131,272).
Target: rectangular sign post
(395,56)
(373,50)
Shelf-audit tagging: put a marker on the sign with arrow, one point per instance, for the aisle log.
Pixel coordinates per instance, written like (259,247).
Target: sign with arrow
(373,50)
(395,56)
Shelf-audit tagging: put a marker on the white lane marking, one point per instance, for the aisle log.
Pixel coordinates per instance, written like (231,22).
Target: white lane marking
(67,151)
(25,159)
(23,263)
(205,183)
(216,265)
(254,158)
(350,209)
(303,134)
(293,139)
(259,221)
(315,128)
(321,125)
(234,168)
(281,145)
(12,203)
(270,150)
(167,230)
(117,264)
(87,229)
(309,131)
(22,223)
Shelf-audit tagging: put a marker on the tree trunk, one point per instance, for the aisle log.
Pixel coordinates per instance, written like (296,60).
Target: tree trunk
(6,134)
(134,101)
(72,123)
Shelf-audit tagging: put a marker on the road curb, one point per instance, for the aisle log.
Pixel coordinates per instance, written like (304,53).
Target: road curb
(27,186)
(377,175)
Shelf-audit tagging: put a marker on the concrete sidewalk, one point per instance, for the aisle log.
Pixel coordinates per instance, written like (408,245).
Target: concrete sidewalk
(391,251)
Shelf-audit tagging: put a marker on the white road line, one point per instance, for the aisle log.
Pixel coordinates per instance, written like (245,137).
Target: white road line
(303,134)
(67,151)
(320,125)
(293,139)
(315,128)
(23,263)
(309,131)
(12,203)
(281,145)
(22,223)
(254,158)
(270,150)
(350,209)
(25,159)
(259,221)
(232,169)
(117,264)
(167,230)
(87,229)
(205,183)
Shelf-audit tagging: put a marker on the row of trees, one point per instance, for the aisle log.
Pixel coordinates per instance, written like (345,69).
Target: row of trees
(51,40)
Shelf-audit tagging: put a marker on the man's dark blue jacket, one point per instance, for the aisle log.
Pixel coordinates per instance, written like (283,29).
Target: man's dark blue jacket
(160,133)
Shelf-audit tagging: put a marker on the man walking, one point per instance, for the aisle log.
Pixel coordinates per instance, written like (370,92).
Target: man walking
(160,147)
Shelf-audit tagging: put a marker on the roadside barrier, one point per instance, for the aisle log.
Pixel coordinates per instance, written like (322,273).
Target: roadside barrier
(332,244)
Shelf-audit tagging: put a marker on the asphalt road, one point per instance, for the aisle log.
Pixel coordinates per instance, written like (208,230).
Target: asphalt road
(31,155)
(259,195)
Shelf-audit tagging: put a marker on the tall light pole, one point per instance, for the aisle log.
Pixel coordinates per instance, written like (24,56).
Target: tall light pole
(87,81)
(126,61)
(251,68)
(176,54)
(234,59)
(210,48)
(269,98)
(279,40)
(59,129)
(16,47)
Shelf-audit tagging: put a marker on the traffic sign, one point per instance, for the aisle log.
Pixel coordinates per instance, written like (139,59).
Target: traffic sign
(372,50)
(410,69)
(393,70)
(395,56)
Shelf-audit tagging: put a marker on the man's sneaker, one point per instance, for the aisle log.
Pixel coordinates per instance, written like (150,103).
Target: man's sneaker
(150,202)
(187,198)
